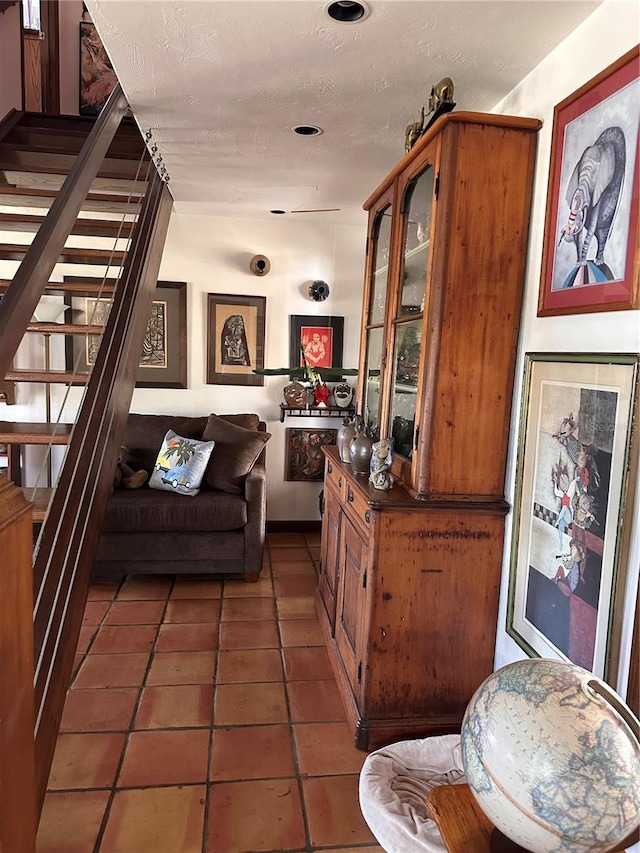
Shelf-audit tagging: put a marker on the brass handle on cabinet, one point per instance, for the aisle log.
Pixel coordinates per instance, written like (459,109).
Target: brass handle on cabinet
(350,496)
(367,516)
(329,469)
(340,482)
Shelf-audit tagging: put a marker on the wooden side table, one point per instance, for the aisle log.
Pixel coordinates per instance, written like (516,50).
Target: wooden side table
(466,829)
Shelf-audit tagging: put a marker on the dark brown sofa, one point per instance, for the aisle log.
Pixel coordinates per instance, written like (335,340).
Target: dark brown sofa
(151,531)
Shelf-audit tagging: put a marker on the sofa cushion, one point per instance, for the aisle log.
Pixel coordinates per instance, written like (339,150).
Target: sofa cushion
(144,434)
(147,510)
(246,420)
(234,455)
(181,464)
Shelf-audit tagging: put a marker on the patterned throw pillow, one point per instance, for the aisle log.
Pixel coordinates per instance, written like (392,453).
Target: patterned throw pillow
(181,464)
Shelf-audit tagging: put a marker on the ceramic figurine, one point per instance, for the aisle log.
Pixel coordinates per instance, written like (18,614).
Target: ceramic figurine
(381,458)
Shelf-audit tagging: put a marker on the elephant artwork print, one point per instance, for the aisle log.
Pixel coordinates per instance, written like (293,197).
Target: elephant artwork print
(591,240)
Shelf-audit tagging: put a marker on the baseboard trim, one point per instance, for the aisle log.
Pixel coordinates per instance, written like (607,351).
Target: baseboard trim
(293,526)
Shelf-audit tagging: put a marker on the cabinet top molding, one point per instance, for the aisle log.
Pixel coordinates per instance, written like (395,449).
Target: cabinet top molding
(532,125)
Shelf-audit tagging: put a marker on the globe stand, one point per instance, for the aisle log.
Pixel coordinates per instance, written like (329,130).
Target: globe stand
(463,825)
(501,844)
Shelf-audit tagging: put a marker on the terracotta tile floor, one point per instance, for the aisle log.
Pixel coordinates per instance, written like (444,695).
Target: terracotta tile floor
(204,718)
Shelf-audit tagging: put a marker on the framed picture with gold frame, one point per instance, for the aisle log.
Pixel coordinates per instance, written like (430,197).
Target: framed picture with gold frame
(576,470)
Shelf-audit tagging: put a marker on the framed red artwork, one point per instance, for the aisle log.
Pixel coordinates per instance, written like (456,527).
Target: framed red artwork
(591,257)
(319,338)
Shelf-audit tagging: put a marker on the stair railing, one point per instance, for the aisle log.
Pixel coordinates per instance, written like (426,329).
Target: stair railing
(60,567)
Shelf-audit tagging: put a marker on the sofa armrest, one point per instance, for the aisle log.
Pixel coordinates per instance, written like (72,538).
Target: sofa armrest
(255,493)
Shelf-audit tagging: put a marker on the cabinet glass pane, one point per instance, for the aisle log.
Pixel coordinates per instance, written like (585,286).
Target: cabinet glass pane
(382,245)
(371,405)
(406,361)
(417,220)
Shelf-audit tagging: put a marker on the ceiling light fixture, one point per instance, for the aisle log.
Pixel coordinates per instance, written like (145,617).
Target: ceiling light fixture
(307,130)
(347,11)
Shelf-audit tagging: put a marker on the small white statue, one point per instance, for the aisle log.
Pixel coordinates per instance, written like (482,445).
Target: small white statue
(380,465)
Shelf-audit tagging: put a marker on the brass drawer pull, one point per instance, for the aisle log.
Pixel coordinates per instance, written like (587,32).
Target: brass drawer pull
(367,516)
(350,496)
(329,469)
(340,482)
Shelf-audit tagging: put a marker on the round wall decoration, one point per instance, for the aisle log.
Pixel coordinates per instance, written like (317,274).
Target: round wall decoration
(318,290)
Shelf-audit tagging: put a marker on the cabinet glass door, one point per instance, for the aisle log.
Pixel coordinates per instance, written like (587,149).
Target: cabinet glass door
(373,371)
(404,389)
(416,208)
(382,246)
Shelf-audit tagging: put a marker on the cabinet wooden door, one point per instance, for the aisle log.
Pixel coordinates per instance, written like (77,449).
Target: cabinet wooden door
(329,554)
(351,602)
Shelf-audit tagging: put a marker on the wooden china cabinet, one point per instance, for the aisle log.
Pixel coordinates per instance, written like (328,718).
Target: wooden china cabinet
(409,582)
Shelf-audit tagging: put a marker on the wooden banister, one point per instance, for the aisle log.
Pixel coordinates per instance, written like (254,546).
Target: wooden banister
(70,532)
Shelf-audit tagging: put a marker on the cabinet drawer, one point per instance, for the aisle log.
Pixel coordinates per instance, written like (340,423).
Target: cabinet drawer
(334,475)
(357,508)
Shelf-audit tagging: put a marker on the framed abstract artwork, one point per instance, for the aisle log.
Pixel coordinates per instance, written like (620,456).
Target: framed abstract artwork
(591,256)
(304,459)
(97,77)
(163,363)
(319,338)
(574,472)
(235,339)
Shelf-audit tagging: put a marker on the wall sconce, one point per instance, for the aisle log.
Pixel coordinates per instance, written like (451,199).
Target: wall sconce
(260,265)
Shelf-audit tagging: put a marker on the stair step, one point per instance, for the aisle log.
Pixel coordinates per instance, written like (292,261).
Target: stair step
(26,223)
(83,124)
(27,160)
(58,377)
(17,251)
(78,286)
(22,432)
(21,196)
(66,328)
(34,179)
(40,498)
(55,141)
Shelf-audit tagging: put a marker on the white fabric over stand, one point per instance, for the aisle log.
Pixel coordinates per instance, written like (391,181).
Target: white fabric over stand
(394,782)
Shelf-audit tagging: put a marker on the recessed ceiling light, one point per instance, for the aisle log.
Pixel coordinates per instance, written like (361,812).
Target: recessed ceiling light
(347,11)
(307,129)
(278,212)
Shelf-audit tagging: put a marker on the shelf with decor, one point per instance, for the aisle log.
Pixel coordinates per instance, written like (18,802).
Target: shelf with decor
(314,412)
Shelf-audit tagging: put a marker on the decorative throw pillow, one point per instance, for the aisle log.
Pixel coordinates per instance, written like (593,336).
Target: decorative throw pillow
(235,454)
(181,464)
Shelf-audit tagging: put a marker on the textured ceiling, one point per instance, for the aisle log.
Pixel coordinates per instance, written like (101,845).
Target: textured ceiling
(222,82)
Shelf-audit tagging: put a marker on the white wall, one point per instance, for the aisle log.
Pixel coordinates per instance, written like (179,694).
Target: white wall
(212,255)
(606,35)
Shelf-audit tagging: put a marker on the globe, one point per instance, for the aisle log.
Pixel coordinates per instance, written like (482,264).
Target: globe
(552,755)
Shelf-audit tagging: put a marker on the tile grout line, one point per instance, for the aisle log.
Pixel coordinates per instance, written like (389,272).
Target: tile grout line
(114,787)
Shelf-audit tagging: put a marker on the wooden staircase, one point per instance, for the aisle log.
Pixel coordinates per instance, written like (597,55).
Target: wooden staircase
(64,183)
(37,152)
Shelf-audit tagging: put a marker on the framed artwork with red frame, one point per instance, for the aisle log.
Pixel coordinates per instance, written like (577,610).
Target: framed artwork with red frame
(591,255)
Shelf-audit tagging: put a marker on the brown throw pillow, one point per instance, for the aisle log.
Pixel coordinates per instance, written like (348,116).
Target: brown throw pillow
(248,421)
(234,455)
